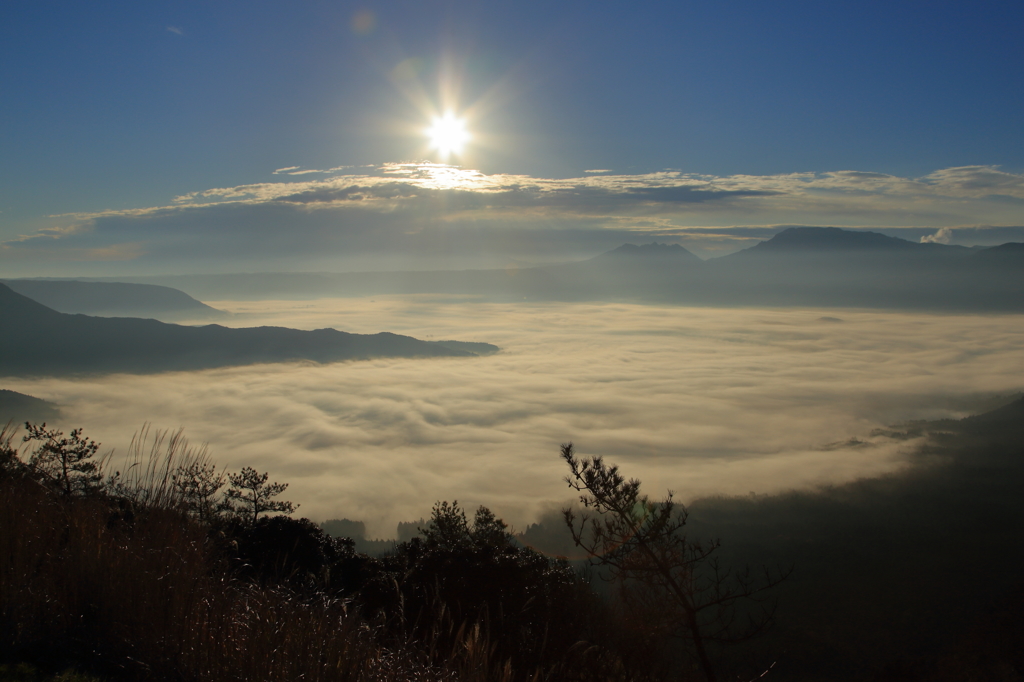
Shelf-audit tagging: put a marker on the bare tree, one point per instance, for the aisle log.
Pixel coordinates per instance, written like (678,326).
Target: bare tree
(250,495)
(643,545)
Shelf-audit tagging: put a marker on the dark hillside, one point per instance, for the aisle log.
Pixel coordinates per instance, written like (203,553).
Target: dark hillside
(1009,255)
(40,341)
(145,577)
(914,576)
(18,408)
(1007,248)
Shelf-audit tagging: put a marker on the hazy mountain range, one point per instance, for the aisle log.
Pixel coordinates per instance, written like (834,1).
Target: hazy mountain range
(113,299)
(42,341)
(806,266)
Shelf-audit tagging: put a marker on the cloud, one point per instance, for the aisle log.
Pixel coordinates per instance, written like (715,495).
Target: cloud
(396,208)
(696,400)
(176,30)
(942,236)
(598,170)
(977,181)
(297,170)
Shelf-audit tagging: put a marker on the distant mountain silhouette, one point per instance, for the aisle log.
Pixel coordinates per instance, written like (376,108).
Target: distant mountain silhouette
(804,266)
(113,299)
(797,240)
(474,347)
(19,408)
(41,341)
(629,272)
(646,253)
(1009,416)
(1008,247)
(823,266)
(1009,254)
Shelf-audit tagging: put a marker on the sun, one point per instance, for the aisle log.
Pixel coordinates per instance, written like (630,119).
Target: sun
(448,135)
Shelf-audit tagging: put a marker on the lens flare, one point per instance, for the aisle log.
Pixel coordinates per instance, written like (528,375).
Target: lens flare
(363,22)
(448,135)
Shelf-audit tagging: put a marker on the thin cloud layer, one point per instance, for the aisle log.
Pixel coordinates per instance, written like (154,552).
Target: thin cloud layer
(699,401)
(427,215)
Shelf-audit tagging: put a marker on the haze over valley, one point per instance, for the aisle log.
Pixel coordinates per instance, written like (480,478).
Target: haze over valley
(815,266)
(698,400)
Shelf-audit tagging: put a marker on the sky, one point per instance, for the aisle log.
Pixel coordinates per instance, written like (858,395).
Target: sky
(176,137)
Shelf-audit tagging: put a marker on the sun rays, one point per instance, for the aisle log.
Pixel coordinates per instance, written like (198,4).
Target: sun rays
(448,135)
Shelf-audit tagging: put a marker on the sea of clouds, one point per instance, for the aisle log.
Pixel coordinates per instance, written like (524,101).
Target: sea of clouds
(697,400)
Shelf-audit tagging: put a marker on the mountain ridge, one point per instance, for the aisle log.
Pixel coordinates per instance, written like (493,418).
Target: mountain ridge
(44,342)
(893,274)
(112,299)
(837,240)
(18,407)
(648,251)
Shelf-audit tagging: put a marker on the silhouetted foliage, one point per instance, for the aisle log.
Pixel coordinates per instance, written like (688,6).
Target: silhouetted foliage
(10,463)
(25,672)
(250,495)
(675,581)
(460,573)
(344,528)
(198,483)
(133,583)
(297,552)
(449,531)
(65,462)
(407,530)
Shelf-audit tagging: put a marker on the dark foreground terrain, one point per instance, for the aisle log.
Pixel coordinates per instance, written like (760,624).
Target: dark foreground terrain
(152,576)
(914,576)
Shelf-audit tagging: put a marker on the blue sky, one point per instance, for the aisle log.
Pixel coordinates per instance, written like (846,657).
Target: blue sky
(112,107)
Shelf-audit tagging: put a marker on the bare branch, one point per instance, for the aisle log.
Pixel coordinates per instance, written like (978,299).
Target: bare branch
(677,582)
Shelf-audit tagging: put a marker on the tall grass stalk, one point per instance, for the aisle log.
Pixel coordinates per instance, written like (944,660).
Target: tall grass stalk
(146,474)
(127,584)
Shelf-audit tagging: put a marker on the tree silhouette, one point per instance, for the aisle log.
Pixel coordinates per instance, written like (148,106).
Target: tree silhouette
(197,483)
(449,530)
(66,462)
(470,573)
(642,543)
(250,495)
(10,463)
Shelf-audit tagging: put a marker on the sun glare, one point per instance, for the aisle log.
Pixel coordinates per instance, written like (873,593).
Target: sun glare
(448,135)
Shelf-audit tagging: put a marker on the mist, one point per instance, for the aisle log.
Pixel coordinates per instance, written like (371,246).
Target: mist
(701,401)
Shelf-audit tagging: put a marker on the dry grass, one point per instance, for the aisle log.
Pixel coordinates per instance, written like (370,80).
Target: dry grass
(133,587)
(148,598)
(129,586)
